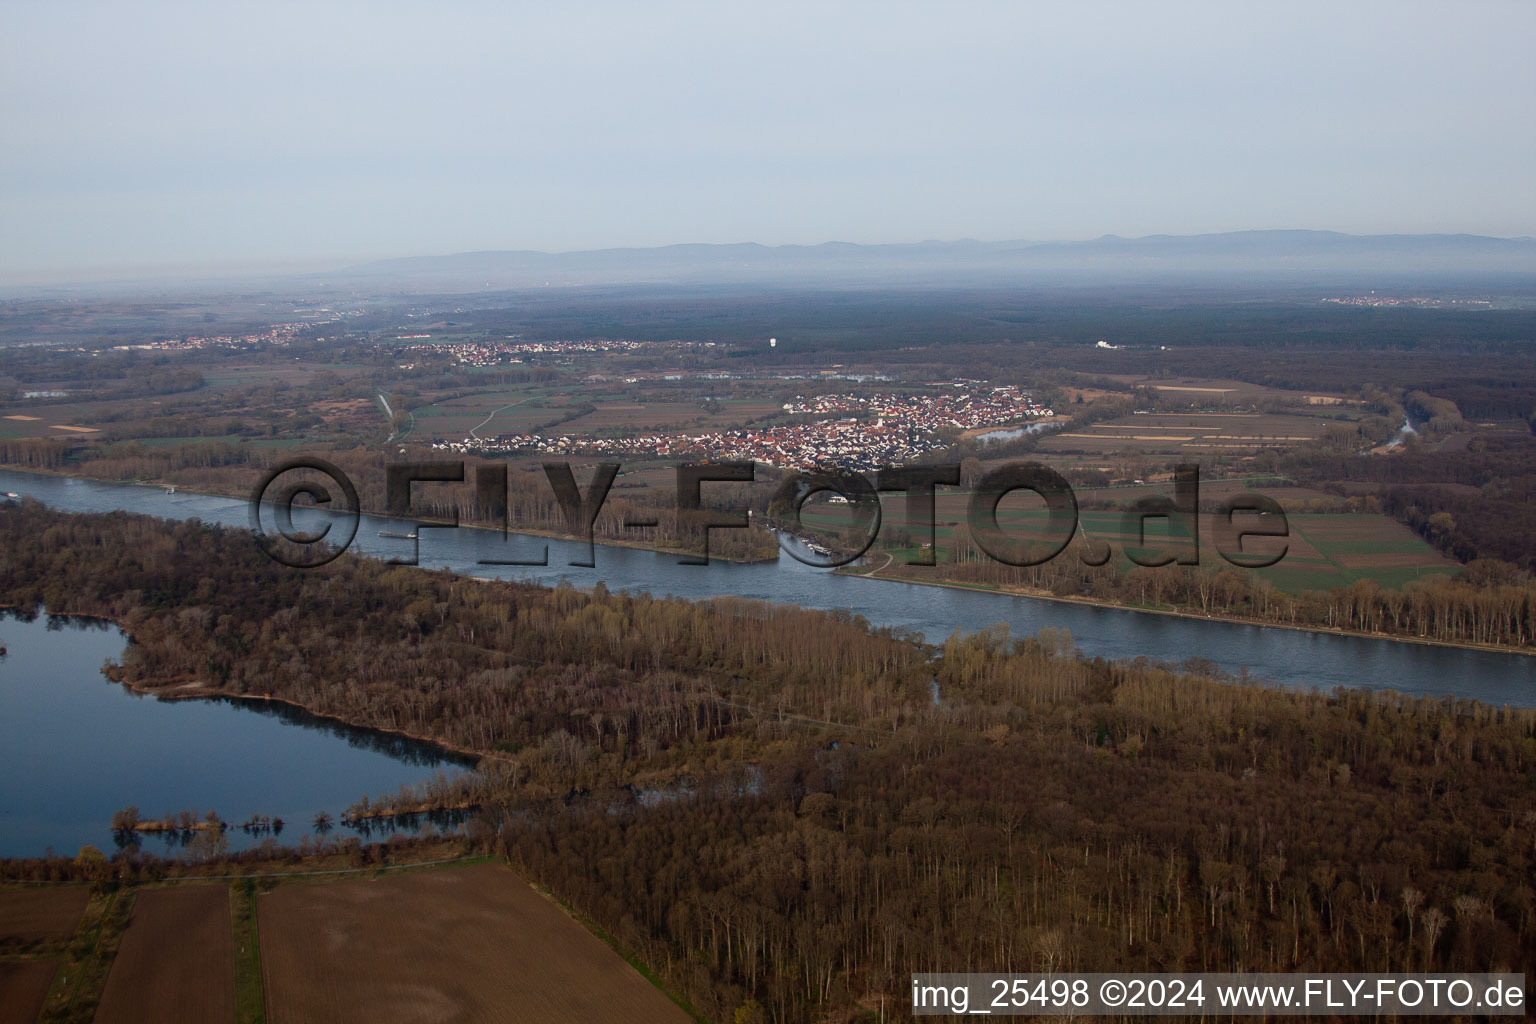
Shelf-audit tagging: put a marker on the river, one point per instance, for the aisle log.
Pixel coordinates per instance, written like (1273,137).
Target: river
(1292,658)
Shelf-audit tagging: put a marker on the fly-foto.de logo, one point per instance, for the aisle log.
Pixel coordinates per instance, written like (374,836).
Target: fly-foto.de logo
(1248,530)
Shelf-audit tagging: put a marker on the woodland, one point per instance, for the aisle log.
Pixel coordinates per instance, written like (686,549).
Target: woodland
(786,812)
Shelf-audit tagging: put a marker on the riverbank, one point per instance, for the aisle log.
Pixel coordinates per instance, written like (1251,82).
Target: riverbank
(524,531)
(1038,594)
(1288,657)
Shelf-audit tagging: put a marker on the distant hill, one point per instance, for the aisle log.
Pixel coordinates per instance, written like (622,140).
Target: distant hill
(1279,256)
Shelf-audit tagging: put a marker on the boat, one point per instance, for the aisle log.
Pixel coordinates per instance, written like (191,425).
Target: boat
(397,536)
(12,494)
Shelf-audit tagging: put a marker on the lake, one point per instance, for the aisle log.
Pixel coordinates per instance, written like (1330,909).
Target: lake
(76,747)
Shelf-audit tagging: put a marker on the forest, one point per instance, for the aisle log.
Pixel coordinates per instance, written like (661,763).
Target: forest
(786,812)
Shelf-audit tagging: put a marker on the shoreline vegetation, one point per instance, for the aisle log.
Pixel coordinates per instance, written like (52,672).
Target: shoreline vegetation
(855,805)
(334,855)
(125,821)
(1041,593)
(1111,604)
(534,513)
(395,811)
(184,688)
(1488,605)
(171,826)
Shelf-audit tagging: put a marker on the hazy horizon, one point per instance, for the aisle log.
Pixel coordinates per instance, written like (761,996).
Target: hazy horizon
(1285,258)
(234,270)
(171,139)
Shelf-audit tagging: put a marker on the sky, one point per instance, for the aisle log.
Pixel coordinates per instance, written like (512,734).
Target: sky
(151,137)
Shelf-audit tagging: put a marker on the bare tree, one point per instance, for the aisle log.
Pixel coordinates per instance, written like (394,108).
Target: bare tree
(1412,901)
(1434,922)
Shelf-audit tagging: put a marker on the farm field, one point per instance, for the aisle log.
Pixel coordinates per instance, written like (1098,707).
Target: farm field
(521,411)
(469,943)
(41,915)
(631,417)
(1324,551)
(488,414)
(176,961)
(23,987)
(951,503)
(30,419)
(1370,547)
(88,412)
(1193,434)
(237,439)
(1207,390)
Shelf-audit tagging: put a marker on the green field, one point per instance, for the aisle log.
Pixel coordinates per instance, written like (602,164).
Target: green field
(1324,551)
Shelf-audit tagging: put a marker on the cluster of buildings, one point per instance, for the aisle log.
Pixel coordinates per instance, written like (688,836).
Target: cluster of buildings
(1413,301)
(883,430)
(846,443)
(513,350)
(277,334)
(961,404)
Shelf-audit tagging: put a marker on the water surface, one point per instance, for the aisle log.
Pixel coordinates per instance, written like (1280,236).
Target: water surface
(76,747)
(1289,657)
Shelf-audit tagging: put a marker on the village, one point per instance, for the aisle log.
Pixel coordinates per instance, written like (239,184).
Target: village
(514,350)
(849,431)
